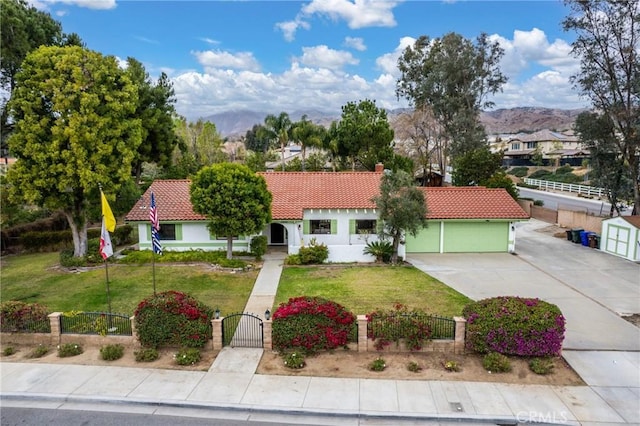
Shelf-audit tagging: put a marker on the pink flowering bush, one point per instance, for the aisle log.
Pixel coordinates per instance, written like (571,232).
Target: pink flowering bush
(514,326)
(173,318)
(311,324)
(24,317)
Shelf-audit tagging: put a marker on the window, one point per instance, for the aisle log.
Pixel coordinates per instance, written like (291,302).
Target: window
(365,226)
(167,231)
(515,146)
(530,145)
(321,226)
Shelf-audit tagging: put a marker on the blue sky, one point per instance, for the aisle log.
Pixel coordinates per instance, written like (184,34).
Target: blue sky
(274,56)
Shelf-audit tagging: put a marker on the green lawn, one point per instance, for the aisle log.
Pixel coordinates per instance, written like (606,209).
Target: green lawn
(362,289)
(37,278)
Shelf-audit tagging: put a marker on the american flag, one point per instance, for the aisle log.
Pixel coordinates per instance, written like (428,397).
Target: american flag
(155,226)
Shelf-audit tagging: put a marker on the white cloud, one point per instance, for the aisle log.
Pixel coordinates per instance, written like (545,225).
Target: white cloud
(324,57)
(388,62)
(217,59)
(356,13)
(209,40)
(356,43)
(289,28)
(89,4)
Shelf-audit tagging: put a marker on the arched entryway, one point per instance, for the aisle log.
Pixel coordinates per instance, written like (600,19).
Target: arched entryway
(278,235)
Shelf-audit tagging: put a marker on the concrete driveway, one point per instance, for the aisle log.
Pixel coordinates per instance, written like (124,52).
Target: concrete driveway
(590,287)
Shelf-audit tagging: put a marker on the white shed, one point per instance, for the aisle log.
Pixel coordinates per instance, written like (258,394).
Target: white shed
(621,237)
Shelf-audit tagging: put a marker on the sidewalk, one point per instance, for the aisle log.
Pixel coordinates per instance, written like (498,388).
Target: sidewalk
(232,386)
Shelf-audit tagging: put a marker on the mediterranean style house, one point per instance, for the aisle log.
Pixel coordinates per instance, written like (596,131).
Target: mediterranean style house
(555,147)
(337,209)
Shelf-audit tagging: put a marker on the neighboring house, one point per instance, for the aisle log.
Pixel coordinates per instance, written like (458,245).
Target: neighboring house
(520,148)
(337,209)
(621,237)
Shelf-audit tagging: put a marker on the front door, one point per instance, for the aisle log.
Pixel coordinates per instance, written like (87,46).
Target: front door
(278,234)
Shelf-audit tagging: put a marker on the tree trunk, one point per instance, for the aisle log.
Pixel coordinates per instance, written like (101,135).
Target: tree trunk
(282,153)
(395,244)
(78,225)
(229,247)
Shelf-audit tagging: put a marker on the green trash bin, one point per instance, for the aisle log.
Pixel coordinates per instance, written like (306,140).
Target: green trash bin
(576,235)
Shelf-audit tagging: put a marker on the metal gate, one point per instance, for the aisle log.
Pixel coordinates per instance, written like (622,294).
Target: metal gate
(242,331)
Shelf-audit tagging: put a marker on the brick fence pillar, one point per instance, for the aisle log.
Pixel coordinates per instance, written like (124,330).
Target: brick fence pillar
(54,322)
(461,331)
(134,333)
(266,335)
(216,331)
(362,333)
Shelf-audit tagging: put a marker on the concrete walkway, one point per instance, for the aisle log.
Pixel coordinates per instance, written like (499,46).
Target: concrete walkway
(232,389)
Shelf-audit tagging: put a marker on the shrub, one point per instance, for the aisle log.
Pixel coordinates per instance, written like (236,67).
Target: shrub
(38,352)
(377,364)
(187,356)
(519,171)
(69,349)
(292,259)
(397,324)
(414,367)
(294,360)
(514,326)
(259,246)
(111,352)
(24,317)
(494,362)
(540,174)
(9,350)
(173,318)
(451,366)
(541,365)
(538,203)
(381,250)
(310,324)
(217,257)
(146,355)
(314,254)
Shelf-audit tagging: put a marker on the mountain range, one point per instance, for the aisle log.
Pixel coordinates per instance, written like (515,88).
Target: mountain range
(234,124)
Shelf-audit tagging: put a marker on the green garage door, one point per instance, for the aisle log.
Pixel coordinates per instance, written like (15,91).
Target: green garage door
(476,237)
(427,240)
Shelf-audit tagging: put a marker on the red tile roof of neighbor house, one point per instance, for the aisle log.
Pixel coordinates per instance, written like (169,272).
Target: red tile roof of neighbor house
(293,192)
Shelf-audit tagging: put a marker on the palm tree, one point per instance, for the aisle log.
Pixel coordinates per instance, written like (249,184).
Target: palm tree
(279,128)
(307,134)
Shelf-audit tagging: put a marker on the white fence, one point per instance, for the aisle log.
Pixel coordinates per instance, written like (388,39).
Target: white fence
(567,187)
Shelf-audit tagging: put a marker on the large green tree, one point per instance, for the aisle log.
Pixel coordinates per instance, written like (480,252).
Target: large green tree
(598,134)
(235,200)
(452,76)
(278,128)
(476,167)
(199,145)
(364,134)
(607,43)
(402,209)
(74,131)
(257,139)
(155,110)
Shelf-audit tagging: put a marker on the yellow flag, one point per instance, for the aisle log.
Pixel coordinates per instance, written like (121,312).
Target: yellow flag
(109,219)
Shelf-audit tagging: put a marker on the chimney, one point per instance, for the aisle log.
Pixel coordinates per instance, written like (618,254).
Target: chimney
(379,167)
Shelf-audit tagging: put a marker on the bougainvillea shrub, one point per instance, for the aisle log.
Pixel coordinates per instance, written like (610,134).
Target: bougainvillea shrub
(24,317)
(311,324)
(173,318)
(514,326)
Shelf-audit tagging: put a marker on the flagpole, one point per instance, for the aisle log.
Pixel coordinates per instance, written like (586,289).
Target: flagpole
(153,263)
(106,271)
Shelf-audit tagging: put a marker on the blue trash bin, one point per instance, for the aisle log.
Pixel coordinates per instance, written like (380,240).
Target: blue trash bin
(584,238)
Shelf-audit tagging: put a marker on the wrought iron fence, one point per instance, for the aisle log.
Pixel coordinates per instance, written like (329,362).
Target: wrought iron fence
(102,323)
(25,326)
(441,328)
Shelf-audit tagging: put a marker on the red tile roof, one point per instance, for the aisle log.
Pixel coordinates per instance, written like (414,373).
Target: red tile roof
(471,202)
(172,202)
(295,191)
